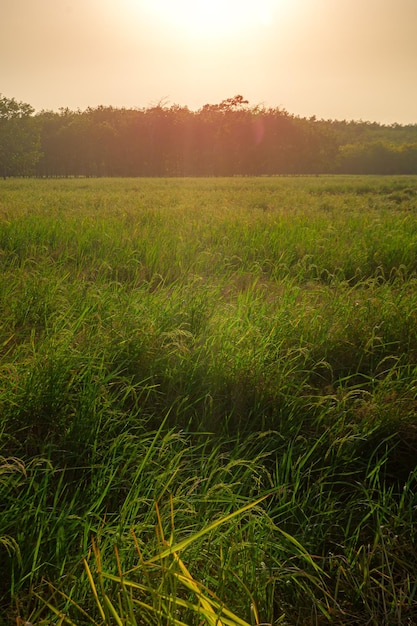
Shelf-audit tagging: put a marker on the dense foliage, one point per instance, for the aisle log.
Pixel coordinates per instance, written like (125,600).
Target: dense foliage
(230,138)
(208,393)
(19,138)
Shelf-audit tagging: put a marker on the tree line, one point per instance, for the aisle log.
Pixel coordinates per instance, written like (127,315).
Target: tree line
(225,139)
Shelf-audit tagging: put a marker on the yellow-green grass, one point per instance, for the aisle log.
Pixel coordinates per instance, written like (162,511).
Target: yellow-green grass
(174,350)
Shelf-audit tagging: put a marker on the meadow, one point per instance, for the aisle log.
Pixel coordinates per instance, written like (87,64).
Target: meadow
(208,394)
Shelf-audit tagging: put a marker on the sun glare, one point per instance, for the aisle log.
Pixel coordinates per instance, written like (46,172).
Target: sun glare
(211,18)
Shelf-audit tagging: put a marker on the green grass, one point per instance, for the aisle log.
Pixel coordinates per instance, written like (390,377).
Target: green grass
(208,393)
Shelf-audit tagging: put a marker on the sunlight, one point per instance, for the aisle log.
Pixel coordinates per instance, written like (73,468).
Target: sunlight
(211,18)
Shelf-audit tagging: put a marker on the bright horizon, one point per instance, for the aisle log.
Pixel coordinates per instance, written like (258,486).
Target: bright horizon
(348,60)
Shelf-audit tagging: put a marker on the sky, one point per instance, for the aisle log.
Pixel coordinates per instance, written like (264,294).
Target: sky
(335,59)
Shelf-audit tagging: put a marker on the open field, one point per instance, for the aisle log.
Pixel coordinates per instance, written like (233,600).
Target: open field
(208,401)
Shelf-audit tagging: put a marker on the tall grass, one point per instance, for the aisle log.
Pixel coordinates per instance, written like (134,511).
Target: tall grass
(207,401)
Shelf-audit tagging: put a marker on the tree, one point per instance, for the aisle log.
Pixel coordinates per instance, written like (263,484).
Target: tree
(19,138)
(224,139)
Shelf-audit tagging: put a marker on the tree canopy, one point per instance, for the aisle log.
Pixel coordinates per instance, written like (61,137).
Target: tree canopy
(225,139)
(19,138)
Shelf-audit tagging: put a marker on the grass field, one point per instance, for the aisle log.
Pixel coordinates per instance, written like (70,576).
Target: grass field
(208,394)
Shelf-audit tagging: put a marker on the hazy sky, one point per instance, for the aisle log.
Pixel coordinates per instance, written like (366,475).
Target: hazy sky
(339,59)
